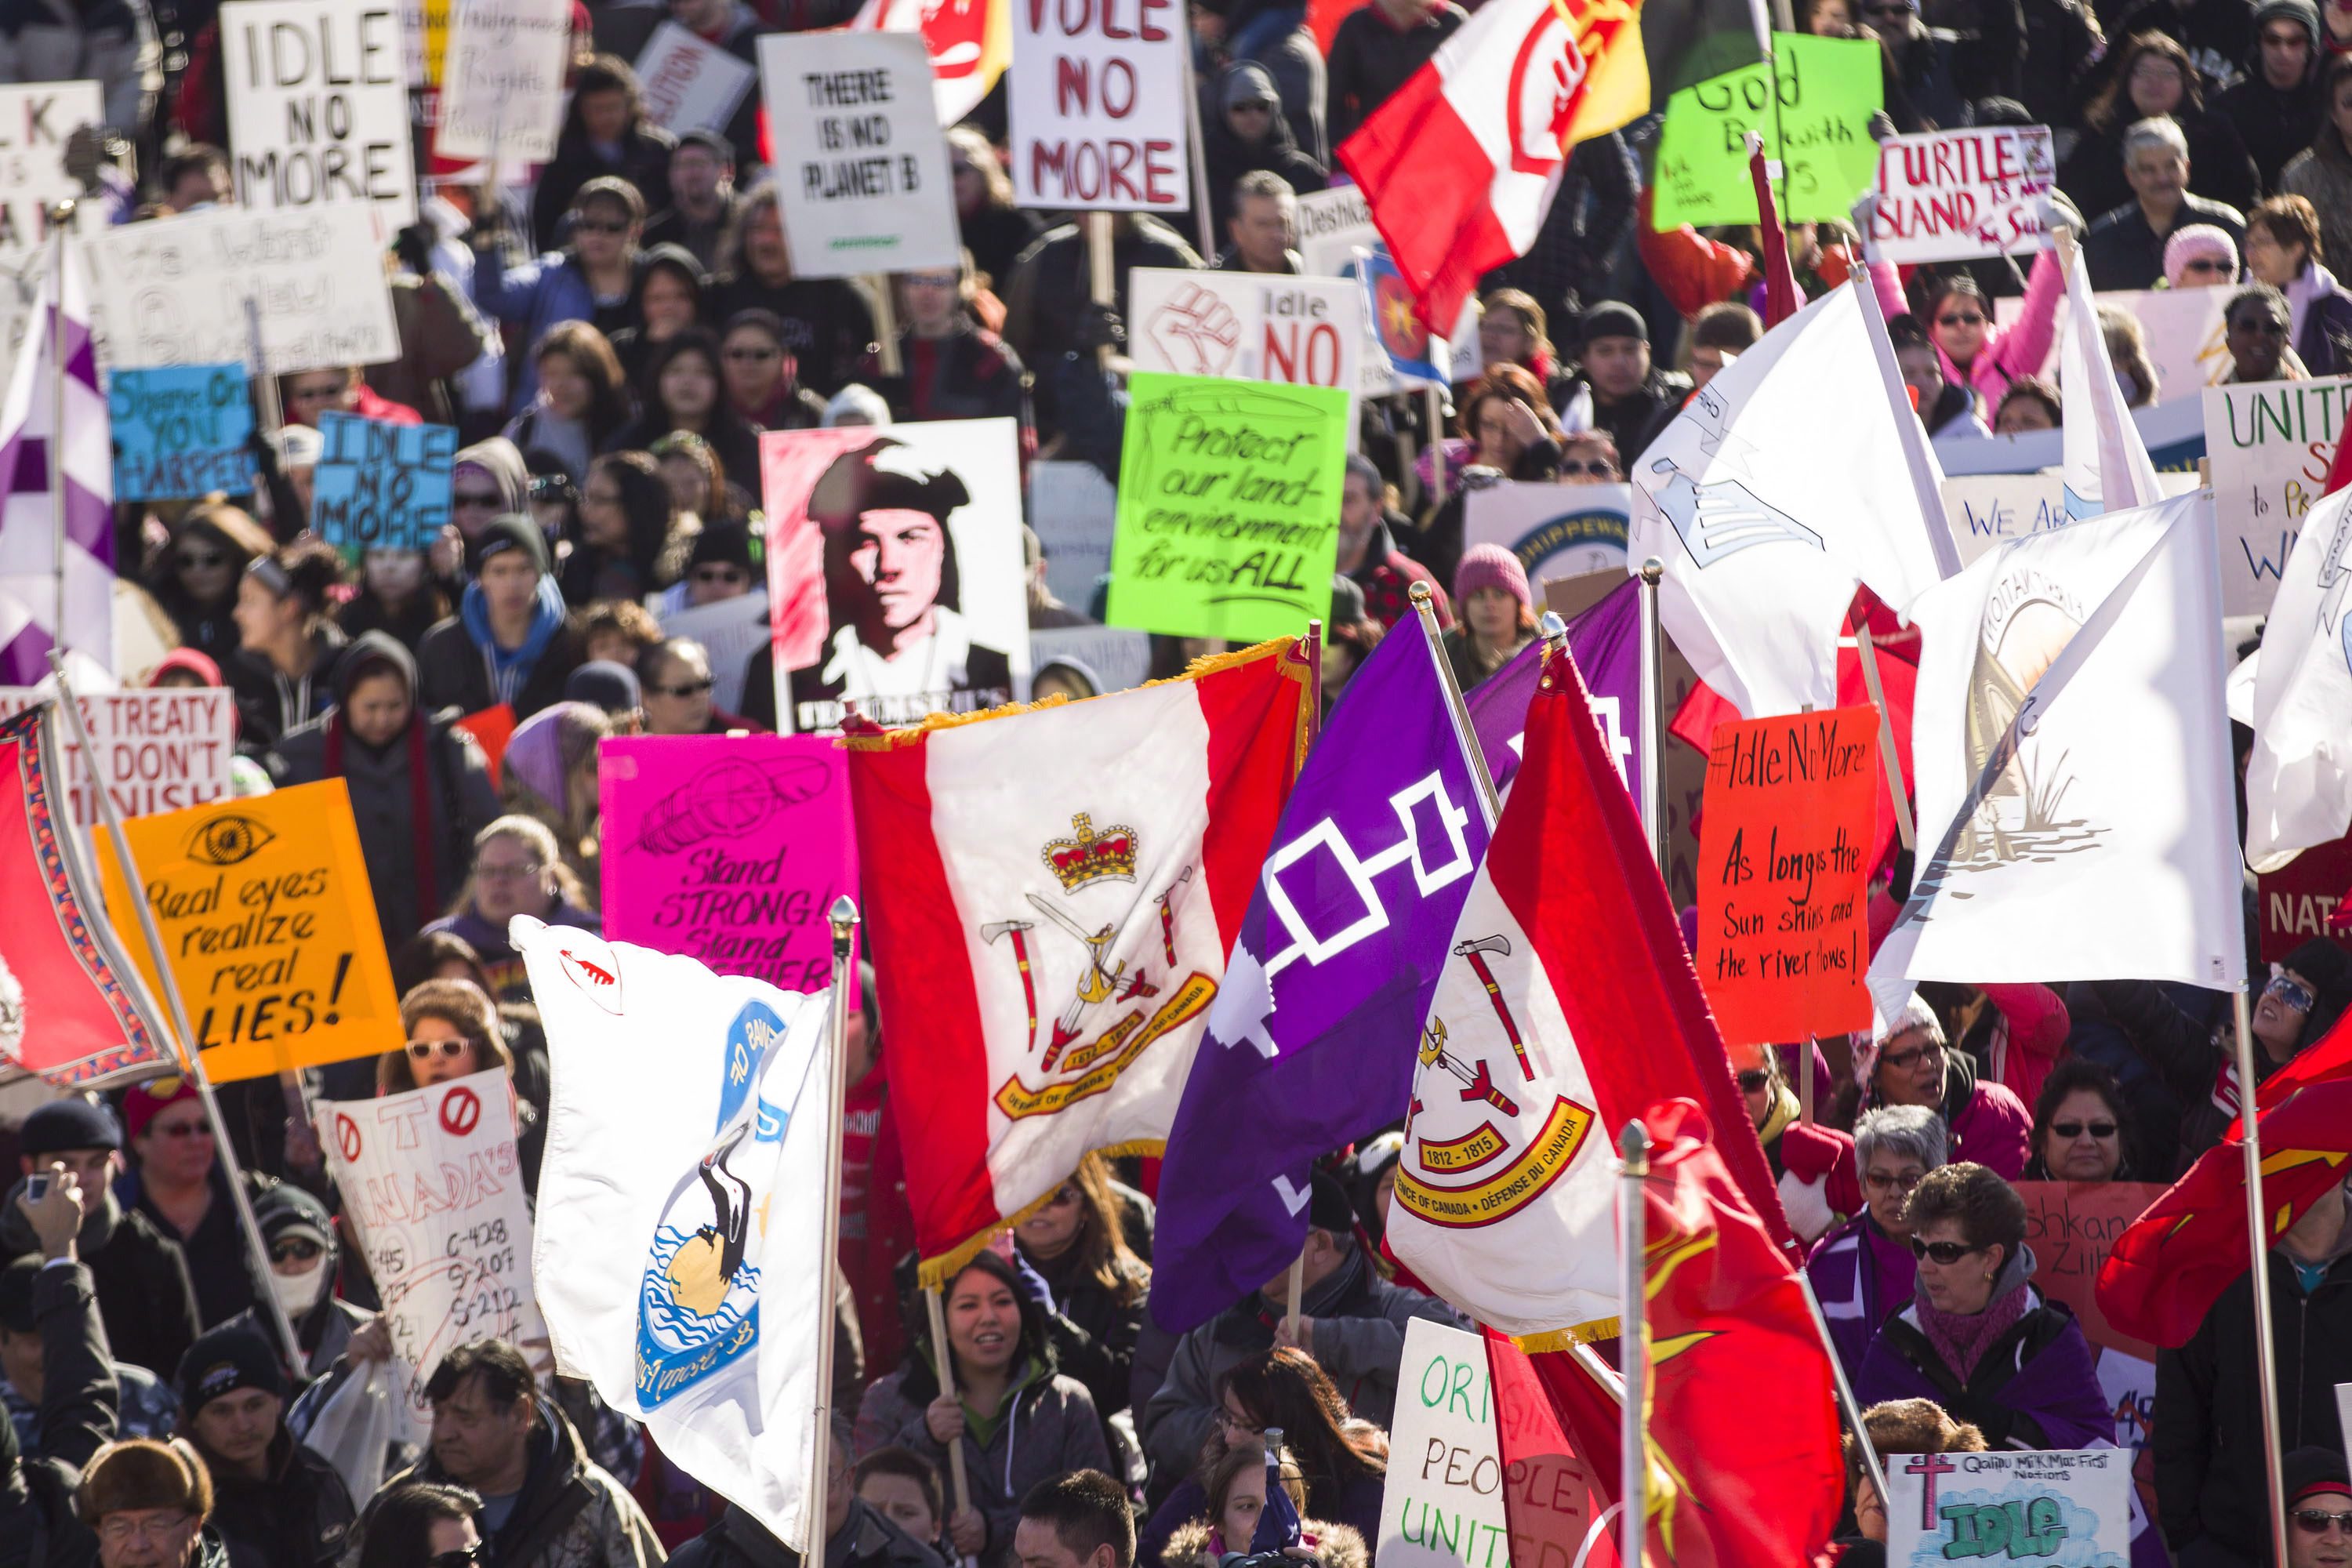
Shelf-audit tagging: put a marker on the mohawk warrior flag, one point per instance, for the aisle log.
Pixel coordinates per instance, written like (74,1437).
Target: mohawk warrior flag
(1051,893)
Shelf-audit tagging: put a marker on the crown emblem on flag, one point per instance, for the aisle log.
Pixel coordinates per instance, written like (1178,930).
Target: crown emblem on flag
(1089,856)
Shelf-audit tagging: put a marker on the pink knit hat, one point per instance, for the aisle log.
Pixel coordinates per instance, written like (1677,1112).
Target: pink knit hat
(2195,242)
(1491,566)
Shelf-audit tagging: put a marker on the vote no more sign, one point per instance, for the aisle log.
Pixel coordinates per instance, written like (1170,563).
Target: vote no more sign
(1096,92)
(1307,331)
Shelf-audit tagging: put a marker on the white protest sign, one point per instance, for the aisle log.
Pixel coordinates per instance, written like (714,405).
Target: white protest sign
(2270,443)
(1071,510)
(1948,195)
(2344,1413)
(2182,327)
(1556,531)
(689,84)
(862,170)
(433,1189)
(2062,1507)
(317,105)
(170,291)
(160,750)
(35,122)
(1096,96)
(1989,510)
(503,79)
(1308,331)
(1119,658)
(1442,1505)
(1333,226)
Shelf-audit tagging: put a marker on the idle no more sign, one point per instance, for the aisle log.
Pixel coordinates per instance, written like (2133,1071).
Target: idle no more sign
(1097,96)
(1308,331)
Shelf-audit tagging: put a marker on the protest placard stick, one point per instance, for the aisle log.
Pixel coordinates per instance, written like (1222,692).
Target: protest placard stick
(1434,411)
(842,917)
(1633,1346)
(183,1043)
(946,1360)
(1869,656)
(1654,713)
(886,322)
(1465,733)
(2258,1233)
(1848,1405)
(59,216)
(1102,279)
(1203,220)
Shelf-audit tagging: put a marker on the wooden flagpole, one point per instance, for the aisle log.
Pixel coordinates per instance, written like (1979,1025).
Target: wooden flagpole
(946,1360)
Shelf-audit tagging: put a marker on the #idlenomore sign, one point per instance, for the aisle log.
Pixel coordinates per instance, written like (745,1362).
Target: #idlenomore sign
(503,79)
(1948,195)
(727,850)
(380,486)
(1228,507)
(689,84)
(2007,1506)
(160,750)
(2269,443)
(863,183)
(180,430)
(268,918)
(1828,89)
(1096,92)
(317,105)
(433,1187)
(1306,331)
(1783,854)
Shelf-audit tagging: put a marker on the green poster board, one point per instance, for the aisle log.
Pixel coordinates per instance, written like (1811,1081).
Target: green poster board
(1828,89)
(1228,507)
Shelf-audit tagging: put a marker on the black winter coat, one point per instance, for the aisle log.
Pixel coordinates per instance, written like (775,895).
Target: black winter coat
(38,1527)
(144,1297)
(1370,60)
(865,1540)
(644,162)
(297,1517)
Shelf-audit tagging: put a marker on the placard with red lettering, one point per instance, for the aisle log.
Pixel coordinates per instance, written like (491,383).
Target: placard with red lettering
(1948,196)
(1784,853)
(1096,95)
(160,750)
(1308,331)
(2298,901)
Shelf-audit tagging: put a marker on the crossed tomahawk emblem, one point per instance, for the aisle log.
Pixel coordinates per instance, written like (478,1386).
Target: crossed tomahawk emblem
(1478,1081)
(1100,980)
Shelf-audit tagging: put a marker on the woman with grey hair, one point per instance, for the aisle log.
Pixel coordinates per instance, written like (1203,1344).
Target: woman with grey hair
(1862,1271)
(1912,1063)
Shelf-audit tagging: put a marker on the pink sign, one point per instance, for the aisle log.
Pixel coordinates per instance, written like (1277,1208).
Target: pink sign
(728,848)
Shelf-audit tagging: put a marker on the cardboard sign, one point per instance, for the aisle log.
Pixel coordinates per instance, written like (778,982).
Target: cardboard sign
(502,82)
(1096,95)
(728,850)
(434,1192)
(317,105)
(381,486)
(161,751)
(1228,507)
(690,84)
(1948,195)
(35,120)
(2072,1226)
(1304,332)
(266,911)
(1071,508)
(1784,854)
(173,292)
(2182,327)
(2299,899)
(862,176)
(2270,443)
(1556,531)
(180,430)
(1828,89)
(1442,1504)
(2008,1506)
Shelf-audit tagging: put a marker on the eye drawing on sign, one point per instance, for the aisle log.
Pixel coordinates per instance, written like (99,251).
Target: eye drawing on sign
(2029,620)
(226,839)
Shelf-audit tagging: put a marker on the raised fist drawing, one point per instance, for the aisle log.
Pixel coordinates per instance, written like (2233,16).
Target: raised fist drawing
(1196,331)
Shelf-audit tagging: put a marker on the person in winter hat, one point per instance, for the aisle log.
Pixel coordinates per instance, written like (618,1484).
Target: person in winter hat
(275,1501)
(337,1338)
(2276,105)
(149,1505)
(508,642)
(1912,1064)
(1495,613)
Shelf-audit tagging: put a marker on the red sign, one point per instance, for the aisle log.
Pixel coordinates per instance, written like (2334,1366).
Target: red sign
(2297,901)
(2072,1226)
(460,1109)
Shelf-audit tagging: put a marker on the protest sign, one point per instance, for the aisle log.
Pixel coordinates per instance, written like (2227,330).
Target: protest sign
(266,911)
(2174,434)
(1987,509)
(502,81)
(1116,657)
(180,430)
(2299,899)
(1228,507)
(1071,508)
(1556,531)
(1442,1504)
(862,170)
(1784,857)
(433,1188)
(35,118)
(1096,95)
(1828,89)
(160,750)
(381,486)
(895,574)
(173,293)
(317,105)
(728,850)
(2270,443)
(2057,1507)
(2072,1226)
(1336,239)
(1306,331)
(1948,196)
(730,631)
(2182,327)
(689,84)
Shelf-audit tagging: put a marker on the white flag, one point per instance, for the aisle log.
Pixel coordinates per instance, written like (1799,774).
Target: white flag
(1769,501)
(2299,779)
(2106,465)
(2073,760)
(680,1258)
(81,505)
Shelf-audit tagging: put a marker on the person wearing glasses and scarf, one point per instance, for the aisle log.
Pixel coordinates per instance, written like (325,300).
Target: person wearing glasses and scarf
(1863,1270)
(1910,1064)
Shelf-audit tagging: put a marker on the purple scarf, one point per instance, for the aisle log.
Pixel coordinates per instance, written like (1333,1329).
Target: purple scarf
(1962,1338)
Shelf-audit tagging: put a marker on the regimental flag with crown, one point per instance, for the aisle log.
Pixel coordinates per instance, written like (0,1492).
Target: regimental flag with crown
(1051,893)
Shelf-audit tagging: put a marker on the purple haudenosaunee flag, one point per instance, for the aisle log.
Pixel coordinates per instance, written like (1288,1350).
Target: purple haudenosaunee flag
(1312,1040)
(1605,642)
(28,511)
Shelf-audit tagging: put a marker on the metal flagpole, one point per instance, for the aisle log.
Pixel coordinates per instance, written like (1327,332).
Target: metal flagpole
(1294,1311)
(59,216)
(1848,1406)
(1654,713)
(192,1061)
(1632,1344)
(844,918)
(2258,1236)
(1464,731)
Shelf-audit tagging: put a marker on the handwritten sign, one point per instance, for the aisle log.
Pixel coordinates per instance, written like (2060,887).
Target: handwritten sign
(266,911)
(2072,1226)
(2182,327)
(1096,94)
(35,118)
(162,750)
(180,430)
(690,84)
(1783,854)
(1442,1505)
(1948,195)
(1228,507)
(317,105)
(503,79)
(864,185)
(2061,1508)
(729,850)
(380,486)
(434,1190)
(1304,332)
(1828,89)
(2270,443)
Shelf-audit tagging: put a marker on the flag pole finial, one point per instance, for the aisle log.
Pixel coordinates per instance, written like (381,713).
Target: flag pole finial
(844,918)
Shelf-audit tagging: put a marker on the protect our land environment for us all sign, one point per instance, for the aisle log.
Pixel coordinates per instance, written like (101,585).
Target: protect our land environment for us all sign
(1096,95)
(1948,196)
(2270,443)
(1306,331)
(727,850)
(1828,89)
(689,84)
(160,750)
(380,486)
(503,79)
(1228,507)
(1784,854)
(864,184)
(180,431)
(434,1190)
(269,923)
(2067,1508)
(317,105)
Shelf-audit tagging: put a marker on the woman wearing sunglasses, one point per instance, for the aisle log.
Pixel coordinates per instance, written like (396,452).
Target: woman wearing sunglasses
(453,1032)
(2079,1130)
(1978,1338)
(1864,1270)
(1977,354)
(195,578)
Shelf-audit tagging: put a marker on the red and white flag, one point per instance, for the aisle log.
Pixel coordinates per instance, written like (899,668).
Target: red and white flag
(1051,893)
(1460,166)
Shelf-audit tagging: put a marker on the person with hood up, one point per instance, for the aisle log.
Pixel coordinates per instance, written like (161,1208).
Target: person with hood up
(1256,1502)
(1864,1270)
(195,577)
(1077,1245)
(39,1522)
(2276,105)
(397,596)
(486,481)
(550,773)
(419,785)
(288,643)
(508,642)
(276,1503)
(857,1534)
(1018,1420)
(665,301)
(1911,1064)
(1245,130)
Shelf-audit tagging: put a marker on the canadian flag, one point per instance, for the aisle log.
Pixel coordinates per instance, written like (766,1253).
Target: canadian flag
(1460,166)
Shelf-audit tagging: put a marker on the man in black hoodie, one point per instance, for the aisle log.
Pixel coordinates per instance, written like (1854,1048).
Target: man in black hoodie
(1241,131)
(2276,105)
(277,1503)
